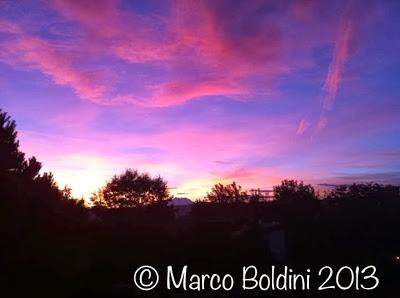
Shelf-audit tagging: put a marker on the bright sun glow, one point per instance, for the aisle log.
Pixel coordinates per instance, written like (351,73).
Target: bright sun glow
(84,174)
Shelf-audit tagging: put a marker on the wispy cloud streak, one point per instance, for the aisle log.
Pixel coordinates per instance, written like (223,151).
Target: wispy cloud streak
(351,20)
(53,59)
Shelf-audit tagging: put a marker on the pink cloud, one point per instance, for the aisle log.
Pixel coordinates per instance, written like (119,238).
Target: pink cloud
(204,28)
(9,27)
(349,26)
(130,36)
(204,42)
(304,9)
(51,59)
(322,123)
(303,126)
(257,177)
(196,35)
(97,15)
(340,55)
(220,50)
(178,92)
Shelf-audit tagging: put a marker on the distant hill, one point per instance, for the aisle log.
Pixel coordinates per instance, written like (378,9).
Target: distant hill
(180,202)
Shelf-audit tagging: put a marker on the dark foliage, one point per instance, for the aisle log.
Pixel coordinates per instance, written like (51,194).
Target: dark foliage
(292,191)
(231,193)
(131,189)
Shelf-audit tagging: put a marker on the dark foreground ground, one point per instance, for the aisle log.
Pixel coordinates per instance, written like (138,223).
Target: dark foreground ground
(79,252)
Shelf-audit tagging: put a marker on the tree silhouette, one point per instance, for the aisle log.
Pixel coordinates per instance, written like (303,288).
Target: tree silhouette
(364,191)
(20,180)
(131,189)
(34,212)
(231,193)
(292,190)
(256,196)
(11,159)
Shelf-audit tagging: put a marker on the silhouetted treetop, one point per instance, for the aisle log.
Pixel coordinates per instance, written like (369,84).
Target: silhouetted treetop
(231,193)
(21,176)
(292,190)
(131,189)
(11,159)
(365,191)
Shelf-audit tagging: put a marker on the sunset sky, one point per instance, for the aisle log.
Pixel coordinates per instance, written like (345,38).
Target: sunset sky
(205,91)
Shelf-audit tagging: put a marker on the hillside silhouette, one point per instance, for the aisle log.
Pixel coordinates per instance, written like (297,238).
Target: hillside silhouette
(53,245)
